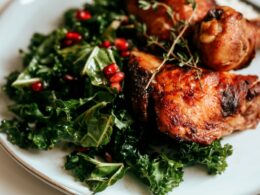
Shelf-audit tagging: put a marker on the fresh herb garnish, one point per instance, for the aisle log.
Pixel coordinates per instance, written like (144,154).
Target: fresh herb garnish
(183,56)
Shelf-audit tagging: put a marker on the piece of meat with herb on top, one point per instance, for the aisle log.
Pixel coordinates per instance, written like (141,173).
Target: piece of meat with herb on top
(158,21)
(195,109)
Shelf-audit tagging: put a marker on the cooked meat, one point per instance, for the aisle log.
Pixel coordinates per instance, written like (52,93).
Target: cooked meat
(256,24)
(158,21)
(226,40)
(199,110)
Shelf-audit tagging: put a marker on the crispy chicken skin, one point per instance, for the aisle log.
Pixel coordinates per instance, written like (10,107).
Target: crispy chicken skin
(226,40)
(198,110)
(159,23)
(256,24)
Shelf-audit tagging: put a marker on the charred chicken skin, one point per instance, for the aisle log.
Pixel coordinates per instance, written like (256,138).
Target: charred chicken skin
(226,40)
(158,21)
(198,110)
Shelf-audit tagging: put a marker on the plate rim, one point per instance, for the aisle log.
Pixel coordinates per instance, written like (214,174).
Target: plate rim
(5,6)
(34,172)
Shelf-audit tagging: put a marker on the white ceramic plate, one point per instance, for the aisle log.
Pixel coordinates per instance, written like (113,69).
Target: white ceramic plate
(17,24)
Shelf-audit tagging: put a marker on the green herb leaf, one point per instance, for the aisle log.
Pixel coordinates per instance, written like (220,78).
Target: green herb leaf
(98,175)
(97,60)
(98,126)
(160,173)
(213,157)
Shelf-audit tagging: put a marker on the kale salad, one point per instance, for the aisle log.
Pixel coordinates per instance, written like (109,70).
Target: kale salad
(71,92)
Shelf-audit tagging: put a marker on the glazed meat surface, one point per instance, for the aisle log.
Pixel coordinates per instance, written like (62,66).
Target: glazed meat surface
(199,110)
(256,24)
(216,31)
(225,39)
(159,23)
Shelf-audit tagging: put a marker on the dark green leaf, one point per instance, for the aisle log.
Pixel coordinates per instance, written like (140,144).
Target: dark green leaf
(98,126)
(213,157)
(98,175)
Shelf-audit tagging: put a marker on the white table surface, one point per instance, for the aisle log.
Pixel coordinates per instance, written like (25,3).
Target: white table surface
(14,180)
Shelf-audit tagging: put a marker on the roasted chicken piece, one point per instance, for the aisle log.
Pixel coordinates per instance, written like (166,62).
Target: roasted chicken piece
(158,21)
(198,110)
(225,39)
(256,24)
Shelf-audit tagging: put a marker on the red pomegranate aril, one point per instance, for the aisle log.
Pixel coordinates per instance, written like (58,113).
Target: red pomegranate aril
(125,21)
(116,86)
(106,44)
(73,36)
(110,70)
(82,149)
(67,42)
(121,44)
(37,86)
(83,15)
(68,77)
(125,54)
(108,157)
(117,77)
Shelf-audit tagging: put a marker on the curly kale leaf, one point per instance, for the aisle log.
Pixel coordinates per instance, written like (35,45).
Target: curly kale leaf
(213,156)
(98,175)
(17,133)
(91,60)
(96,127)
(62,121)
(160,173)
(29,112)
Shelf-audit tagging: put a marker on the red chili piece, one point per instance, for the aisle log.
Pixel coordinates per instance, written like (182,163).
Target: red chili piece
(106,44)
(121,44)
(117,77)
(83,15)
(116,86)
(37,86)
(110,70)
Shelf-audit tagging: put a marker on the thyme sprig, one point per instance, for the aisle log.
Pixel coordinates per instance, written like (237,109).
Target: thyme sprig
(184,57)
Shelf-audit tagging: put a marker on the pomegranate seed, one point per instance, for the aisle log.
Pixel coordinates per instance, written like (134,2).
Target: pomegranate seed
(125,54)
(37,86)
(82,149)
(74,36)
(110,70)
(68,77)
(106,44)
(117,77)
(125,21)
(83,15)
(116,86)
(108,157)
(67,42)
(121,44)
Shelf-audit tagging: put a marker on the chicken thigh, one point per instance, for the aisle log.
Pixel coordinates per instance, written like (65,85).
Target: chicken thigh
(187,108)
